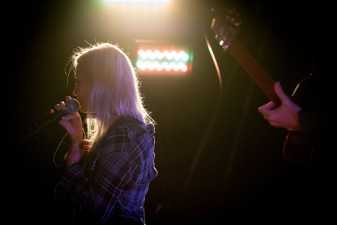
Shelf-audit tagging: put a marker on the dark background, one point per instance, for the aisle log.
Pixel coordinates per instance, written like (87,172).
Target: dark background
(215,154)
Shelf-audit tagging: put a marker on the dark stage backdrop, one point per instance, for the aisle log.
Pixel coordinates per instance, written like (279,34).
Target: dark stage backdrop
(214,152)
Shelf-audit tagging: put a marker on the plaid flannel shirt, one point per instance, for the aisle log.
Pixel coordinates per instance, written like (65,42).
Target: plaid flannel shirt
(110,184)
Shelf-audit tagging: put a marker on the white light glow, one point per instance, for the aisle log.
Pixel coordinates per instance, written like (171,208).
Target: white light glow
(137,2)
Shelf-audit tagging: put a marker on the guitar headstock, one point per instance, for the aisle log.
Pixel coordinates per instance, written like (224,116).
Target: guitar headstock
(226,27)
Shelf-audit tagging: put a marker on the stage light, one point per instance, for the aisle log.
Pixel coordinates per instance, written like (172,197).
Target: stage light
(138,2)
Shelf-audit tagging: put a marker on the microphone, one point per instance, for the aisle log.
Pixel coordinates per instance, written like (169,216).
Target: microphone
(72,105)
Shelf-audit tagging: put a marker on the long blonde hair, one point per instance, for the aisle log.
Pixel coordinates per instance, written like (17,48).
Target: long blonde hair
(115,87)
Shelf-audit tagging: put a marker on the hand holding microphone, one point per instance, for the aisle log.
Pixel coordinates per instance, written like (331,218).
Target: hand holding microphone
(70,105)
(69,118)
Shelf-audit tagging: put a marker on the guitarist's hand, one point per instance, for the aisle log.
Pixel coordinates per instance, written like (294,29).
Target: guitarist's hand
(286,115)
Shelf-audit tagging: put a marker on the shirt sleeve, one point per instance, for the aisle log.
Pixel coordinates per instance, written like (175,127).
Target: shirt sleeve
(96,191)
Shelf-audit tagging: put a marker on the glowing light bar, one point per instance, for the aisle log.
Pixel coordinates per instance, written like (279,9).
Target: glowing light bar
(137,2)
(160,61)
(157,66)
(163,55)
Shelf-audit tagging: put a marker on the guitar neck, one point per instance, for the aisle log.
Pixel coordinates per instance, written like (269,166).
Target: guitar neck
(254,70)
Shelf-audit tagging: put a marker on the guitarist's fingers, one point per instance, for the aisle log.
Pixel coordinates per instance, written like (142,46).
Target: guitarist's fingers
(266,107)
(274,123)
(280,93)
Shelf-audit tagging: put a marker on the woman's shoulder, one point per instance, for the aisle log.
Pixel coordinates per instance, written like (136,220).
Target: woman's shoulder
(131,127)
(126,130)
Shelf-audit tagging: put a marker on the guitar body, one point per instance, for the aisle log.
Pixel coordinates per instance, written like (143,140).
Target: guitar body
(303,145)
(297,147)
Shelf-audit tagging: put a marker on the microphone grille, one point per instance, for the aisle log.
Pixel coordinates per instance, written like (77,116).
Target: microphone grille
(73,105)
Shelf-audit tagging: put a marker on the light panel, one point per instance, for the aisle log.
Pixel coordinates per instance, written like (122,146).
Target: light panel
(169,61)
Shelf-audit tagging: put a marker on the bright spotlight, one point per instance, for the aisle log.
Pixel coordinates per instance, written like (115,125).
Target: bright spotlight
(138,2)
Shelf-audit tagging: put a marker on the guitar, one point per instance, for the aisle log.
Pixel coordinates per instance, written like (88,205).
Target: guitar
(225,29)
(296,147)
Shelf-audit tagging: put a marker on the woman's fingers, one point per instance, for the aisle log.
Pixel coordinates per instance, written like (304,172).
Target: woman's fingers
(68,98)
(58,107)
(62,105)
(51,111)
(69,116)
